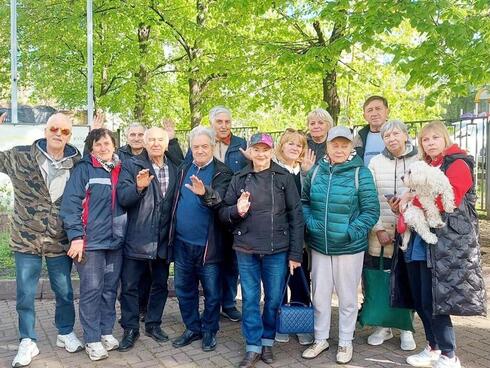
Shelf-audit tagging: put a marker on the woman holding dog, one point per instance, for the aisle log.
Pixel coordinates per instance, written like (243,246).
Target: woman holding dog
(340,206)
(443,279)
(387,168)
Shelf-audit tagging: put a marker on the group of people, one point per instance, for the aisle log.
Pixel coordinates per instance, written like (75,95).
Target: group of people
(321,205)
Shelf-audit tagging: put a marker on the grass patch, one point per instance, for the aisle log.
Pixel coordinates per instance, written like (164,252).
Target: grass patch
(7,263)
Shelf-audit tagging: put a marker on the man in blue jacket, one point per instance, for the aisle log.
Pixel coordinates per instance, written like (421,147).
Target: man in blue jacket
(146,190)
(227,150)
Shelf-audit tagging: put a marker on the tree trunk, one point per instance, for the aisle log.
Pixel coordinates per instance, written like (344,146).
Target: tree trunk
(142,76)
(195,102)
(330,96)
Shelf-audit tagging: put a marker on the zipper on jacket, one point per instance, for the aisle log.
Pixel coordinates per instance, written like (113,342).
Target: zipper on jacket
(207,240)
(272,212)
(326,207)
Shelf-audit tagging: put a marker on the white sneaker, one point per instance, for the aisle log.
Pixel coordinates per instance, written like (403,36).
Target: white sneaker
(344,354)
(314,350)
(27,350)
(305,338)
(379,336)
(425,358)
(70,342)
(109,342)
(281,337)
(445,362)
(407,343)
(96,351)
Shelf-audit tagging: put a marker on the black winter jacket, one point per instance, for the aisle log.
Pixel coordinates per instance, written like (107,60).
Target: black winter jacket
(274,222)
(149,213)
(458,286)
(218,238)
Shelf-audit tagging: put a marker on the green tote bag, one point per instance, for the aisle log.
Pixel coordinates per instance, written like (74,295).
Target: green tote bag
(376,309)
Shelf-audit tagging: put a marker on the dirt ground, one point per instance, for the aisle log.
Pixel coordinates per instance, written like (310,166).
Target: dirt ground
(485,241)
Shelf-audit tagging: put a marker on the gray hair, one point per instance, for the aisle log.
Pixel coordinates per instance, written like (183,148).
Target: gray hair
(389,126)
(215,111)
(321,114)
(134,125)
(201,130)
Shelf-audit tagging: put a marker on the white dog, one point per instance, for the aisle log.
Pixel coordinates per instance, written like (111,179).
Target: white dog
(427,183)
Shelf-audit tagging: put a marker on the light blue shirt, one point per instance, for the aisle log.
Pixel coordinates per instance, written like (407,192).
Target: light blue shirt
(374,146)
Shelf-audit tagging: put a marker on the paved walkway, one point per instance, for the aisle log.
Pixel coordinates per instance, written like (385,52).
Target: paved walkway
(473,336)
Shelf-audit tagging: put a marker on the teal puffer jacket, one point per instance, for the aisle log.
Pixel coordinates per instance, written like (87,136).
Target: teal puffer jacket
(338,210)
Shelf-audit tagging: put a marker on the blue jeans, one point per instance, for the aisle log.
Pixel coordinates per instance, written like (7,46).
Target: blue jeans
(229,273)
(28,271)
(189,271)
(99,279)
(271,269)
(439,330)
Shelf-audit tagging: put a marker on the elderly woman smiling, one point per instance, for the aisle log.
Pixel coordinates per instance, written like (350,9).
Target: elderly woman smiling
(340,206)
(263,207)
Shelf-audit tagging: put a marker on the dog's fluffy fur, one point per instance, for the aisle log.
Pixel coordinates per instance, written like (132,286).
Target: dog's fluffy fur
(427,182)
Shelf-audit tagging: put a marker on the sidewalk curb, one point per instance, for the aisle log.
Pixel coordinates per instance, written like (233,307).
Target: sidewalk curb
(8,289)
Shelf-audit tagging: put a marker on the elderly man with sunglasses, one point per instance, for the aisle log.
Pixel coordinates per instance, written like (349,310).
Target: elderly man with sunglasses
(39,173)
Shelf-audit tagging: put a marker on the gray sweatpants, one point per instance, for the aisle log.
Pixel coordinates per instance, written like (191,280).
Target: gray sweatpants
(343,273)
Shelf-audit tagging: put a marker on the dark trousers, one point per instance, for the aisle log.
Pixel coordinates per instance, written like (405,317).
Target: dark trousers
(133,271)
(299,293)
(190,269)
(439,330)
(229,282)
(144,289)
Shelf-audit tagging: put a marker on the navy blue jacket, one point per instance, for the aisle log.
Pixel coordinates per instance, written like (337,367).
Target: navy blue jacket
(90,209)
(219,240)
(148,211)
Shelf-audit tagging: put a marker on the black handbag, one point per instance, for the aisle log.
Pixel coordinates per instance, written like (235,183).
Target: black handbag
(295,317)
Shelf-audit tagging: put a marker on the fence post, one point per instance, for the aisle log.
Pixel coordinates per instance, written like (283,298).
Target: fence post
(487,177)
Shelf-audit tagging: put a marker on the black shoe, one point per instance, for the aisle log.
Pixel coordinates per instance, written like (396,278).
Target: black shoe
(209,341)
(249,360)
(267,356)
(156,333)
(186,338)
(129,338)
(232,314)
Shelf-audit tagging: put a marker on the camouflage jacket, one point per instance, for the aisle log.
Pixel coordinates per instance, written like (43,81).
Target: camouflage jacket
(35,225)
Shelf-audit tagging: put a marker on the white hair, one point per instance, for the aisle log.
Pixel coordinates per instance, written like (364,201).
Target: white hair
(134,125)
(163,131)
(201,130)
(321,114)
(393,124)
(215,111)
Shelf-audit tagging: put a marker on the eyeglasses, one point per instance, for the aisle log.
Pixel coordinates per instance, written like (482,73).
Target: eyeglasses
(64,131)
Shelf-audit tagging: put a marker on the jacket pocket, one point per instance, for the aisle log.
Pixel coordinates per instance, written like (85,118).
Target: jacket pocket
(459,225)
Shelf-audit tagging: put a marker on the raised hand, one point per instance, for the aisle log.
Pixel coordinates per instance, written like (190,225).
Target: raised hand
(197,186)
(99,119)
(143,179)
(308,161)
(170,129)
(246,153)
(3,117)
(243,203)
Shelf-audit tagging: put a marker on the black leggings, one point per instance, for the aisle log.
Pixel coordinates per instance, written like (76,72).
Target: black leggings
(439,330)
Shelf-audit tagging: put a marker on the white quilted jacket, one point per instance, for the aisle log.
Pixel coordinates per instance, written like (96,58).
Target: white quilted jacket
(387,172)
